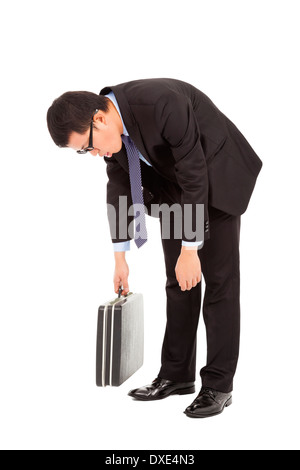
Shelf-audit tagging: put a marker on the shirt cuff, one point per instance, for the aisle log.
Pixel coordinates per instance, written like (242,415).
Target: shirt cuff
(198,244)
(122,246)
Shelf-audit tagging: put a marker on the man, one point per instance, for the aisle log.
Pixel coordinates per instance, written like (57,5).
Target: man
(168,138)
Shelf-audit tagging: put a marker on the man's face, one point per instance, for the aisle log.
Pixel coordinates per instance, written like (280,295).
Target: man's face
(106,135)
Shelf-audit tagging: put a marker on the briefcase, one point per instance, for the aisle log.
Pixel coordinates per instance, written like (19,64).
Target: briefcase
(120,339)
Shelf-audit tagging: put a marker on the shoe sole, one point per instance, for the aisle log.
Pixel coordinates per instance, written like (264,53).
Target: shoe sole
(183,391)
(194,415)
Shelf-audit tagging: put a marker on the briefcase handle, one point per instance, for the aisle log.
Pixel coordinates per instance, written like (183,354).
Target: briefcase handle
(119,296)
(120,293)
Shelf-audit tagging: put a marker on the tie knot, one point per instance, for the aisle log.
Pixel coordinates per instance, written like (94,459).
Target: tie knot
(126,139)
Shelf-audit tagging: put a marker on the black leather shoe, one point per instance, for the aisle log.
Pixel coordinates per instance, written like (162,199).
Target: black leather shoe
(162,388)
(209,403)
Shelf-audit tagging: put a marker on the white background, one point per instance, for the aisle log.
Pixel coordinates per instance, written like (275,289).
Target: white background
(56,255)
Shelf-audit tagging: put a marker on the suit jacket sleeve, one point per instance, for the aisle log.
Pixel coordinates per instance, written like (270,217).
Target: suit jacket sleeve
(118,185)
(178,126)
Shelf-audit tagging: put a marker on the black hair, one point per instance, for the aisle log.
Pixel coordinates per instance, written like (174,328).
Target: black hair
(73,112)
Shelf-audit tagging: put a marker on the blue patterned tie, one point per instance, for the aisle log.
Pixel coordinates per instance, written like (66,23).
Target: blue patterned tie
(136,190)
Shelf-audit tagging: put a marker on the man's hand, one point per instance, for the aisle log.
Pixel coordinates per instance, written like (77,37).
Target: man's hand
(121,273)
(188,268)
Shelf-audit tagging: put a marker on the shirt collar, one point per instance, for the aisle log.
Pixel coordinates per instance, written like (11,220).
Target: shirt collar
(112,97)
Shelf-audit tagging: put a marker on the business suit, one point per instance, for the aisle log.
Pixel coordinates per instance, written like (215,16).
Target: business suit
(198,156)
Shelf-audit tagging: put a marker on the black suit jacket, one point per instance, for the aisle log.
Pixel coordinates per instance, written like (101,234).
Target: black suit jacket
(190,143)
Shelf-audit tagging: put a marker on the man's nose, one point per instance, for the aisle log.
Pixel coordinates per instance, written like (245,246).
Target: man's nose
(94,152)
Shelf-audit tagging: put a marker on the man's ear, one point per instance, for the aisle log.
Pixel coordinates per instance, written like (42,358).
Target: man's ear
(100,119)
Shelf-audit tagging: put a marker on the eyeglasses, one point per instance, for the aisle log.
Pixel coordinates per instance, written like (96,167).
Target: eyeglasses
(90,147)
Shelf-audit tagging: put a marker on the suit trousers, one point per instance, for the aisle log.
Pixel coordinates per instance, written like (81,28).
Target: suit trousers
(220,264)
